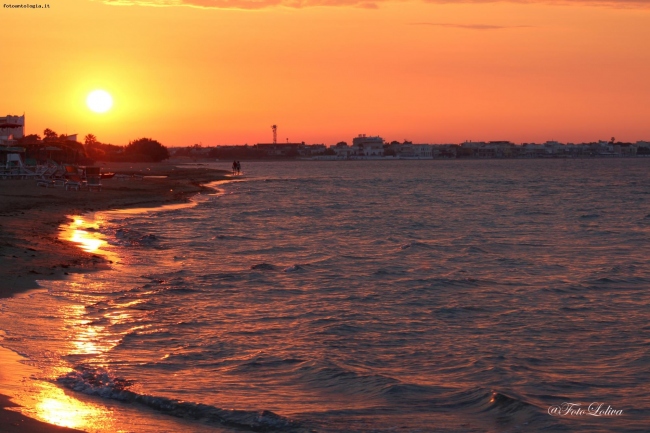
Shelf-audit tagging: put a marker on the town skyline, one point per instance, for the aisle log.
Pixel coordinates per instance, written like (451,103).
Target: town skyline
(20,131)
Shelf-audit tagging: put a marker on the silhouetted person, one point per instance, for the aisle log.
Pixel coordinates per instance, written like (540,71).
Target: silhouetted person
(234,167)
(238,168)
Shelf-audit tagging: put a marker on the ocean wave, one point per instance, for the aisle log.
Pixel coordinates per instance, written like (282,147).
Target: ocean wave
(505,405)
(231,237)
(340,380)
(126,237)
(101,383)
(382,388)
(415,245)
(294,268)
(267,361)
(263,267)
(497,403)
(629,281)
(459,311)
(165,277)
(220,277)
(443,282)
(475,250)
(381,272)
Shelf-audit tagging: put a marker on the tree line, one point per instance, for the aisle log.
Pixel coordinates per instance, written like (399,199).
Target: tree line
(61,149)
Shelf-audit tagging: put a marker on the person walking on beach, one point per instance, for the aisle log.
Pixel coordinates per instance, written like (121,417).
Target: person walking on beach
(234,167)
(238,168)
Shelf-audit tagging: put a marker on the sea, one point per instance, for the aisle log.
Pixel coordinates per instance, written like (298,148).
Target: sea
(355,296)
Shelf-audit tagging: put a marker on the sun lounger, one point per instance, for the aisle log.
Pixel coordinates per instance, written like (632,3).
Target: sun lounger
(72,186)
(93,178)
(73,180)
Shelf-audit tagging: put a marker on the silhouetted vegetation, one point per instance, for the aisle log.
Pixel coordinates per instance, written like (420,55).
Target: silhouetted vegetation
(62,149)
(104,152)
(53,147)
(146,150)
(141,150)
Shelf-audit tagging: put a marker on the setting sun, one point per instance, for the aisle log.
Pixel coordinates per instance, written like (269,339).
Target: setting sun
(99,101)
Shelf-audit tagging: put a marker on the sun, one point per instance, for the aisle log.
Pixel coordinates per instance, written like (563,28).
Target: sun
(99,101)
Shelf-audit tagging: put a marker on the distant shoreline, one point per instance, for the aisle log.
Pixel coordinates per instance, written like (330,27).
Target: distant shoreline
(203,161)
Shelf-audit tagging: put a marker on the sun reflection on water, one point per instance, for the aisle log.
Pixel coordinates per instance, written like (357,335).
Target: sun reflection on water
(87,338)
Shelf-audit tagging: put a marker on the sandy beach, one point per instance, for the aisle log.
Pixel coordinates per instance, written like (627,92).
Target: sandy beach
(30,249)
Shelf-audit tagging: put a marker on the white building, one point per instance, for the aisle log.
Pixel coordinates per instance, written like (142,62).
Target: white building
(12,127)
(363,145)
(342,150)
(415,151)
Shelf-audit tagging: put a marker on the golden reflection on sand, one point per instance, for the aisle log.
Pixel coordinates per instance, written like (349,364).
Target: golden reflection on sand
(54,406)
(83,231)
(57,408)
(45,401)
(78,232)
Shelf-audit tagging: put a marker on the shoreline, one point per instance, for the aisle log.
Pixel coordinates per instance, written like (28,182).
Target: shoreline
(30,248)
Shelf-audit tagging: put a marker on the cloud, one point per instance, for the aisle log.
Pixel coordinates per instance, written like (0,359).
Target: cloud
(469,26)
(366,4)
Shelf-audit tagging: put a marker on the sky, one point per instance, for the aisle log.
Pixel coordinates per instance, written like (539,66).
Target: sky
(217,72)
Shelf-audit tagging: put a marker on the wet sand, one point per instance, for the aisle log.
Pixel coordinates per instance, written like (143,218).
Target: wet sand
(30,250)
(14,422)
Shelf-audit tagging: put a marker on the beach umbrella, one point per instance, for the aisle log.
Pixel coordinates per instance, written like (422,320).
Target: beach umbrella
(51,149)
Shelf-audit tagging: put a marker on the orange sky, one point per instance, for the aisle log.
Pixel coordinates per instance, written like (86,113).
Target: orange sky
(430,72)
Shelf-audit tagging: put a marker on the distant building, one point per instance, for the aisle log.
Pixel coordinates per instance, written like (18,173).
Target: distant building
(643,148)
(363,145)
(308,150)
(342,150)
(12,127)
(408,150)
(280,149)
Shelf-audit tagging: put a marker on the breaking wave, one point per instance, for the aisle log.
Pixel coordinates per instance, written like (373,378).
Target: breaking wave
(101,383)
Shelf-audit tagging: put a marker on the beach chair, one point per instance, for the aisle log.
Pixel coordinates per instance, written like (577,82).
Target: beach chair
(44,182)
(93,178)
(48,170)
(73,180)
(50,175)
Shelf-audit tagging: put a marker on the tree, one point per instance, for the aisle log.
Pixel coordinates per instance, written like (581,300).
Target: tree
(146,150)
(29,139)
(50,135)
(90,139)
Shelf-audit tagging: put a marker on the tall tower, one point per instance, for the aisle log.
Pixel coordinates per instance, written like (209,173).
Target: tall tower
(275,134)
